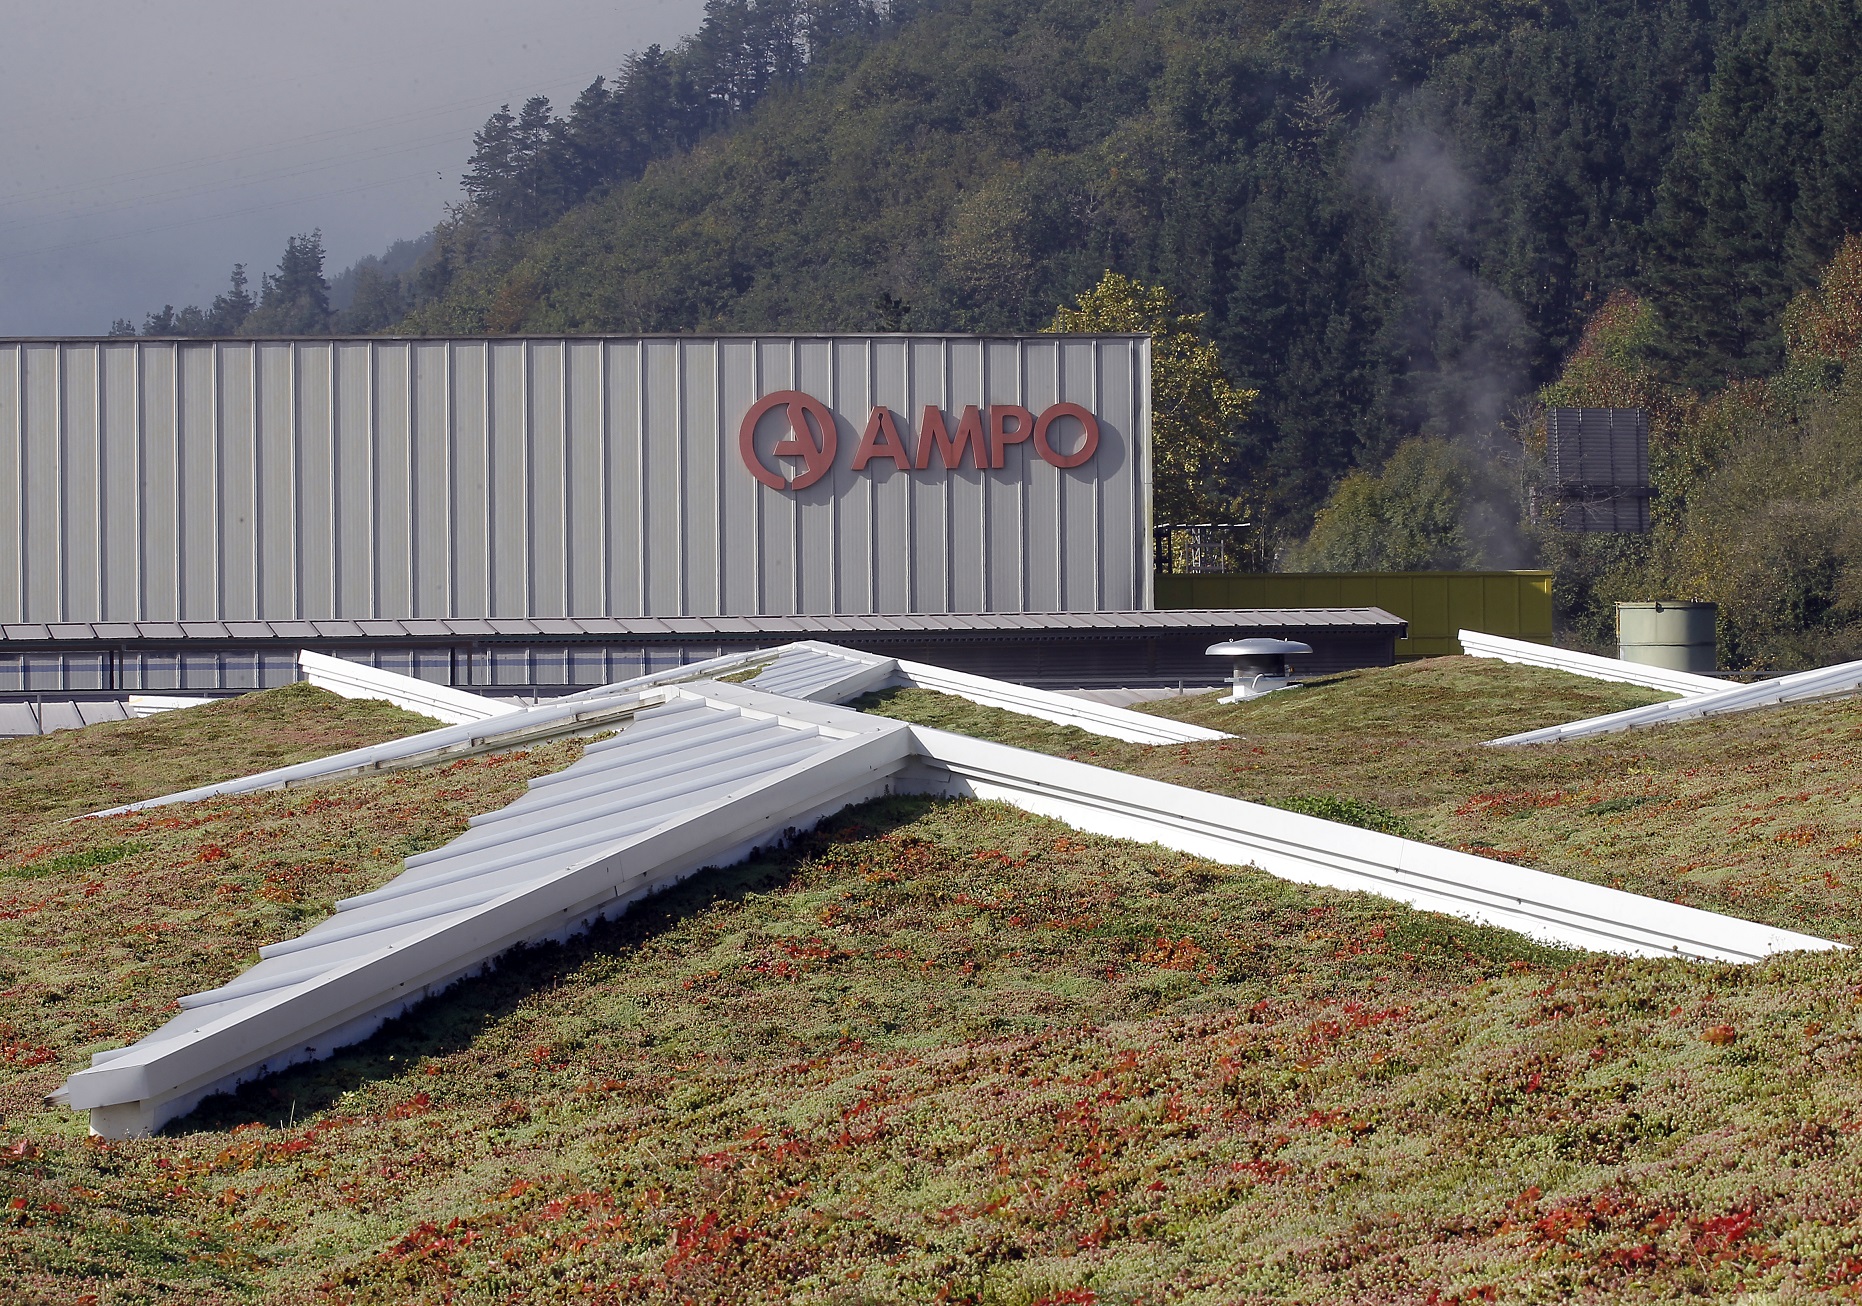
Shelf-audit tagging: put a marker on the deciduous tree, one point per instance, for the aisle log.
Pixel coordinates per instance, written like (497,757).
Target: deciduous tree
(1196,408)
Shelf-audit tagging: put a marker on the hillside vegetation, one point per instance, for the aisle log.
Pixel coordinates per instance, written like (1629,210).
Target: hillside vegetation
(1409,225)
(1398,216)
(950,1050)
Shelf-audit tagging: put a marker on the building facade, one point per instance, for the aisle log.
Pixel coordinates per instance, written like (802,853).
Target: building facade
(513,478)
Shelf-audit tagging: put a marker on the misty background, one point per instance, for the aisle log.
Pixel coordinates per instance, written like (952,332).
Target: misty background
(153,145)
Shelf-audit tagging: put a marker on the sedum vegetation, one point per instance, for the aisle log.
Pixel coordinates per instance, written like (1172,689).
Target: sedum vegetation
(1755,815)
(945,1050)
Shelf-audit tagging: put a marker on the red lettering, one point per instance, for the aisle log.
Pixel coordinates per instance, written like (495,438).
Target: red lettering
(984,434)
(881,440)
(1000,435)
(1089,425)
(931,430)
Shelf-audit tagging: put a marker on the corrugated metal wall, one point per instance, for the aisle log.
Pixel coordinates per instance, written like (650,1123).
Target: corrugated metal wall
(228,480)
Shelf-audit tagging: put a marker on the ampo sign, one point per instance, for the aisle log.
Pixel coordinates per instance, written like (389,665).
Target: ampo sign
(792,425)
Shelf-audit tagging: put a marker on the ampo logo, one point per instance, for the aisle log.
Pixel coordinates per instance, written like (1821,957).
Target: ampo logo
(812,437)
(983,436)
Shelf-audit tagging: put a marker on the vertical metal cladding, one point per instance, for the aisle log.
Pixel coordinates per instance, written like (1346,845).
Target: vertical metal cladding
(161,480)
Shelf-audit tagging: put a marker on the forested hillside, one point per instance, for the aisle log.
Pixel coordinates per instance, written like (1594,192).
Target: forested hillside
(1397,216)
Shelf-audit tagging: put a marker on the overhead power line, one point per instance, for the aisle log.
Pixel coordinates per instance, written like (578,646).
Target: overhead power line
(211,217)
(242,183)
(373,126)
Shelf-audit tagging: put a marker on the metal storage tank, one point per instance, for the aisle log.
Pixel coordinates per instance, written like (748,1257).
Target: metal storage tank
(1678,636)
(552,477)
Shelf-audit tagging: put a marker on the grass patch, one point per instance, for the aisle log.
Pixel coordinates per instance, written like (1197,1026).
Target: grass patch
(84,860)
(1448,700)
(1352,811)
(945,1045)
(71,772)
(104,922)
(1621,803)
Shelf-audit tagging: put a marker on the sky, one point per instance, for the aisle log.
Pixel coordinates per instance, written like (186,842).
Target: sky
(152,144)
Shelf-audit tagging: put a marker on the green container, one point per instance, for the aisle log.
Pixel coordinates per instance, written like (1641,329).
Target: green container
(1678,636)
(1436,604)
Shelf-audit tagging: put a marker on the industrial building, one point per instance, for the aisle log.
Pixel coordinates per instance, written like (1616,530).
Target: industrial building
(533,514)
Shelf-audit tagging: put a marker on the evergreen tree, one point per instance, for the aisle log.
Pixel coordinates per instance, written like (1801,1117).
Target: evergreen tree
(1761,191)
(1396,216)
(222,318)
(295,300)
(231,308)
(492,174)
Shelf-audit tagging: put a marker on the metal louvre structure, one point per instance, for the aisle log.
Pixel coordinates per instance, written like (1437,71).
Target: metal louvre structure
(219,480)
(1597,447)
(704,772)
(1597,460)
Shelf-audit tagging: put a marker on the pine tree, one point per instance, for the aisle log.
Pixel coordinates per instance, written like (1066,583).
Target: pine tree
(231,309)
(164,323)
(1761,191)
(492,174)
(295,300)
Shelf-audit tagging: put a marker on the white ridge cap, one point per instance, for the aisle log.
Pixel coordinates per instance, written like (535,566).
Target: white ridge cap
(1799,687)
(829,673)
(457,738)
(442,702)
(1062,709)
(1685,683)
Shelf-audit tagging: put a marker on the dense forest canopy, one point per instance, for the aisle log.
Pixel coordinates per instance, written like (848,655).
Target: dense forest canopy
(1395,218)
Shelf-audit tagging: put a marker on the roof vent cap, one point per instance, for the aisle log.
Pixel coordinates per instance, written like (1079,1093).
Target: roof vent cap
(1260,665)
